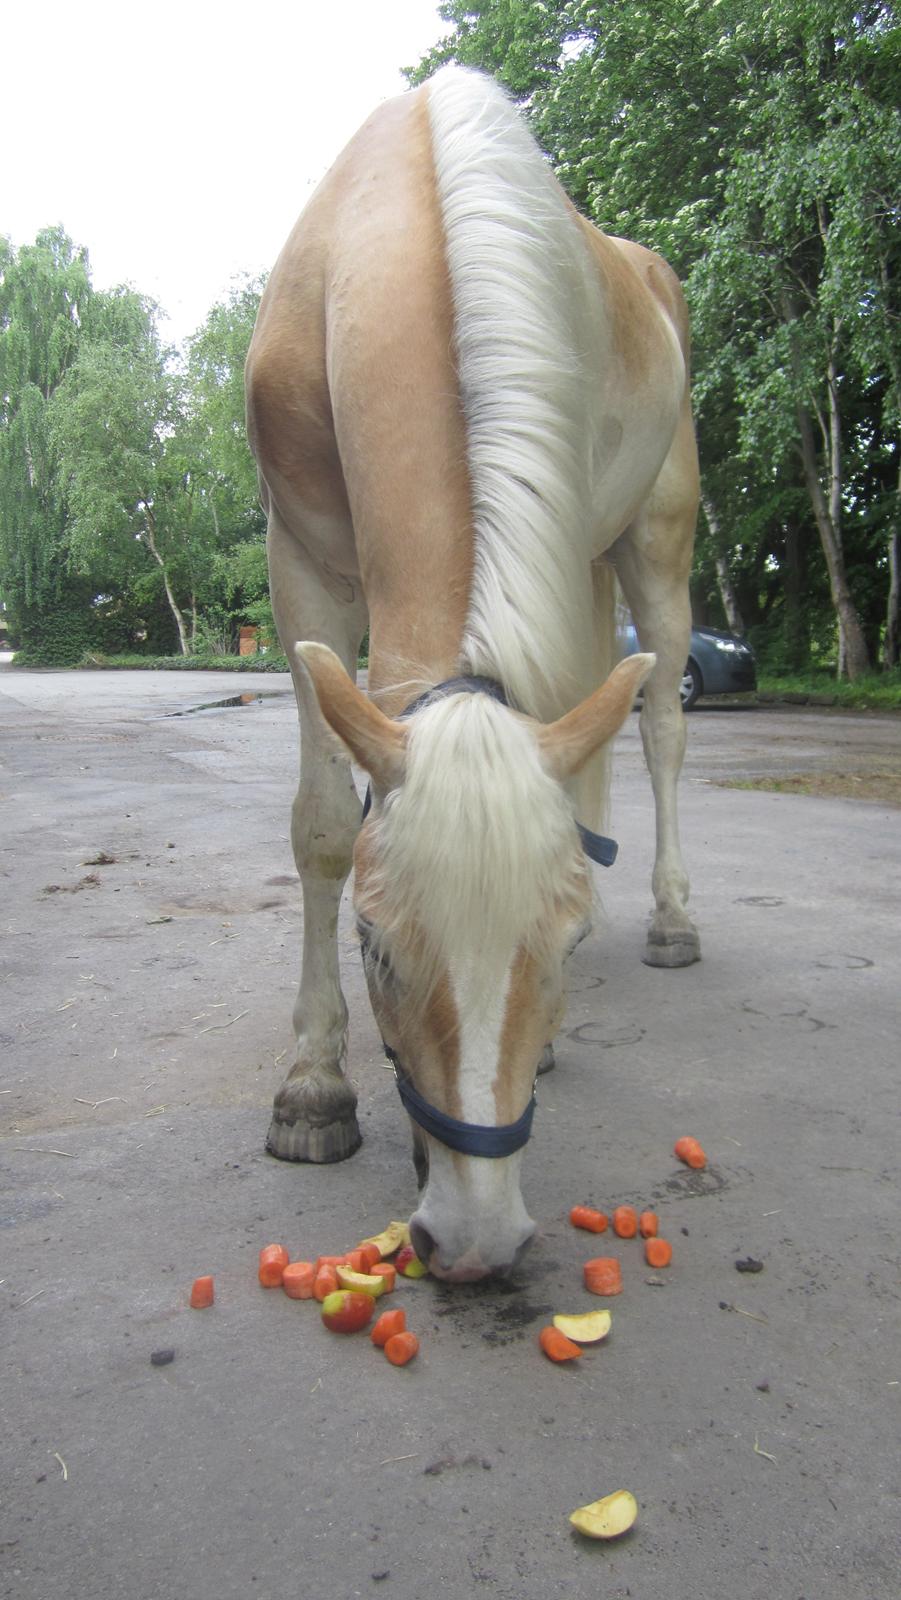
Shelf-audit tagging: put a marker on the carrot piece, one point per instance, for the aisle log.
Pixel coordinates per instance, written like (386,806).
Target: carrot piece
(556,1346)
(386,1270)
(625,1222)
(202,1293)
(297,1280)
(273,1261)
(401,1348)
(387,1325)
(603,1275)
(658,1252)
(370,1254)
(689,1151)
(588,1217)
(325,1282)
(648,1223)
(330,1261)
(354,1260)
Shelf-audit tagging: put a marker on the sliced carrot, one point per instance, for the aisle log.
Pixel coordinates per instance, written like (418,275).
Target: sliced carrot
(388,1324)
(297,1280)
(556,1346)
(648,1223)
(658,1252)
(330,1261)
(202,1293)
(370,1255)
(273,1261)
(625,1222)
(325,1282)
(588,1217)
(401,1348)
(355,1260)
(386,1270)
(603,1275)
(689,1151)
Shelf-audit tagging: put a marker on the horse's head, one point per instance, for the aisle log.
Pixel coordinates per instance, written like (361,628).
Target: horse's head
(470,890)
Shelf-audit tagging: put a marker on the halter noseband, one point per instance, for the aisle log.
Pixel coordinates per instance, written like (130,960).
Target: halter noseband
(475,1138)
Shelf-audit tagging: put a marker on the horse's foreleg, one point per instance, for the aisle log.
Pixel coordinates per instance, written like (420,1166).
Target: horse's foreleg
(657,593)
(314,1115)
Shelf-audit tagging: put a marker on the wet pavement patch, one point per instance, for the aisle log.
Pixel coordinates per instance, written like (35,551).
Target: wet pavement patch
(249,699)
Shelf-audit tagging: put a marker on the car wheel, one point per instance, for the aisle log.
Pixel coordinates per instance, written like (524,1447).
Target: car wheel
(690,687)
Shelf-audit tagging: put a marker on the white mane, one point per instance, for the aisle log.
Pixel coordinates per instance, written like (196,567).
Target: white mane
(475,846)
(529,343)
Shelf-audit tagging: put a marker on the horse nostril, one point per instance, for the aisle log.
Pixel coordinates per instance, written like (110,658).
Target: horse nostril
(421,1240)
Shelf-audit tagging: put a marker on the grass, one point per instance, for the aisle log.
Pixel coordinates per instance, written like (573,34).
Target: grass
(876,692)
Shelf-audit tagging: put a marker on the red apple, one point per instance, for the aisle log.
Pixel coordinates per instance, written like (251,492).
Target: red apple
(408,1262)
(346,1311)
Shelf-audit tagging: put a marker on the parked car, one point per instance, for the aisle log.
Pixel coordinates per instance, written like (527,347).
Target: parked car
(718,663)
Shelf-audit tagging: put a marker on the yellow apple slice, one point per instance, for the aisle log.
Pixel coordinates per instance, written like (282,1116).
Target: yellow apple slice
(390,1239)
(607,1518)
(360,1281)
(587,1327)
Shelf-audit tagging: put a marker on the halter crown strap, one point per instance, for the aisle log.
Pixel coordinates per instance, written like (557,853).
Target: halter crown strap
(595,845)
(468,1138)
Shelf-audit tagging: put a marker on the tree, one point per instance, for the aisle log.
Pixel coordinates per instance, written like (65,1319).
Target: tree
(45,296)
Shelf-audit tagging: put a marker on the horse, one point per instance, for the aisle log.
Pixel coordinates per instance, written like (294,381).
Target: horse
(471,418)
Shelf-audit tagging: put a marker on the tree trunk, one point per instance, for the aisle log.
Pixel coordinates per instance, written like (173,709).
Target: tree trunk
(891,641)
(796,633)
(723,575)
(149,530)
(853,655)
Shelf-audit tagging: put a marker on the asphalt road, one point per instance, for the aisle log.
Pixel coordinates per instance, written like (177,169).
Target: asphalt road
(144,1027)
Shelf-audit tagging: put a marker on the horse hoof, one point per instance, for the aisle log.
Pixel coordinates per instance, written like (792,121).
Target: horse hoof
(548,1060)
(679,948)
(314,1118)
(297,1141)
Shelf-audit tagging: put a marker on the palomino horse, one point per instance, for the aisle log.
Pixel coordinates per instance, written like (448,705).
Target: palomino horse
(470,410)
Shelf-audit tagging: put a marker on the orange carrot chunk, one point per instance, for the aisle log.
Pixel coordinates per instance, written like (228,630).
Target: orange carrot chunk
(202,1293)
(386,1270)
(330,1261)
(273,1261)
(625,1222)
(370,1255)
(587,1217)
(388,1324)
(556,1346)
(648,1223)
(325,1282)
(689,1151)
(401,1348)
(297,1280)
(658,1252)
(603,1275)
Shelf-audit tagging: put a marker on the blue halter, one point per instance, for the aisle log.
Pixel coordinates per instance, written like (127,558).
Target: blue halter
(475,1138)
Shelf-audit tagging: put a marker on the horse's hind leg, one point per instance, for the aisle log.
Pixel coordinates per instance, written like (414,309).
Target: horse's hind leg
(314,1115)
(652,561)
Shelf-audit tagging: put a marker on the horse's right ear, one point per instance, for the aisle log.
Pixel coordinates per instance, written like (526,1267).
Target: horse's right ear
(567,743)
(377,743)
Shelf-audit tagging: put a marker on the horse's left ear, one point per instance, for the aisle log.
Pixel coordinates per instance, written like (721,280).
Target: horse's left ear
(377,743)
(567,744)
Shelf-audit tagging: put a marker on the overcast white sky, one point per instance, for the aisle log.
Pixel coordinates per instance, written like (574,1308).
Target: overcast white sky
(179,141)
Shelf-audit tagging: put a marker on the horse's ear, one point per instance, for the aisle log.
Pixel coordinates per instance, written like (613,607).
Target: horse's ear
(567,744)
(377,743)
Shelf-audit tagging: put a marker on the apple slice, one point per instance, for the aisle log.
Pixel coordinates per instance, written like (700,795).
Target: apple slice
(607,1518)
(408,1263)
(360,1281)
(390,1239)
(588,1327)
(344,1311)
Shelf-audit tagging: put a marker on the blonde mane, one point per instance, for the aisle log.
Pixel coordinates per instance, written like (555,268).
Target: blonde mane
(475,848)
(530,348)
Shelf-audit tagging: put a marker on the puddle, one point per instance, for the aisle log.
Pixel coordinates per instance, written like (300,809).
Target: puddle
(232,700)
